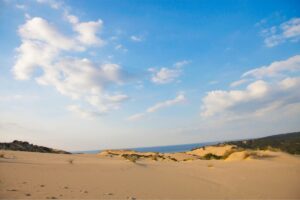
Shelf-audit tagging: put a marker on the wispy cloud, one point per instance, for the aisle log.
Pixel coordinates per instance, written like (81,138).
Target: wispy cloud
(238,82)
(52,3)
(287,31)
(180,98)
(136,38)
(166,75)
(276,68)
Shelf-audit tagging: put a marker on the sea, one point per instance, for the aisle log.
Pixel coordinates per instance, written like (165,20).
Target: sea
(160,149)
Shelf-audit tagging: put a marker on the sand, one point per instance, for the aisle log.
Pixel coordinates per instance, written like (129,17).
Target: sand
(29,175)
(217,150)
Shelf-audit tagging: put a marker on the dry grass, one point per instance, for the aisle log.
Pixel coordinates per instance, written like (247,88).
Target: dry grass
(256,155)
(131,157)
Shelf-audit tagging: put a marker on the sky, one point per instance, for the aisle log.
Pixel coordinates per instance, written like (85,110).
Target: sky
(87,75)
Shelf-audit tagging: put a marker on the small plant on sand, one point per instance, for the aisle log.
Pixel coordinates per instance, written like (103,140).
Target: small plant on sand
(154,157)
(187,159)
(256,155)
(173,159)
(131,157)
(71,161)
(211,156)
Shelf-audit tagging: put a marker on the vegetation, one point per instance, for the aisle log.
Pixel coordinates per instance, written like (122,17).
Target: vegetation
(131,157)
(25,146)
(289,142)
(211,156)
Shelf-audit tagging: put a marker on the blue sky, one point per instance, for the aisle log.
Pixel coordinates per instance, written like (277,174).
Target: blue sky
(81,75)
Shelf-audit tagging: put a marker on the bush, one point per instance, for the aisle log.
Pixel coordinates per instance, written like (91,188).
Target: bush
(211,156)
(131,157)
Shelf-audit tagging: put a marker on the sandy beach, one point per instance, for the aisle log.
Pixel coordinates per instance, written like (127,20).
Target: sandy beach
(27,175)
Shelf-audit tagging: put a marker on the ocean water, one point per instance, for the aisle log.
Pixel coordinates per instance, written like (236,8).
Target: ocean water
(161,149)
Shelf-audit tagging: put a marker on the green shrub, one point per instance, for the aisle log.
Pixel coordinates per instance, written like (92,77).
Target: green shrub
(211,156)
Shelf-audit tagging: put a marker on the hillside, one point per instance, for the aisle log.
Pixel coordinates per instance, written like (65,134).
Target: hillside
(288,142)
(25,146)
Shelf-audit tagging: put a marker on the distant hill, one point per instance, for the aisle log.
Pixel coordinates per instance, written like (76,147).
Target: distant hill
(288,142)
(25,146)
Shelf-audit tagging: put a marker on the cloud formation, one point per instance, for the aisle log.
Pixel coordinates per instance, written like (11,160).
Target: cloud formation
(180,98)
(87,31)
(276,68)
(259,96)
(136,38)
(287,31)
(166,75)
(44,47)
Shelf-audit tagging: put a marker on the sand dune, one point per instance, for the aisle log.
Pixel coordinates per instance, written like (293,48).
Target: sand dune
(42,175)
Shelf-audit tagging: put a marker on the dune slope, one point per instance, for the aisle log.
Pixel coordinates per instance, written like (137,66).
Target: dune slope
(42,175)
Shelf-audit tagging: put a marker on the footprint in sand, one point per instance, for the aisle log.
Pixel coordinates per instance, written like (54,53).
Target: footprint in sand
(42,185)
(66,187)
(109,193)
(28,195)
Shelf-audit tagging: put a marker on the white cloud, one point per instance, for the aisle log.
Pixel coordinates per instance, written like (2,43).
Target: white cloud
(180,98)
(44,47)
(38,29)
(52,3)
(292,64)
(136,117)
(238,82)
(136,38)
(181,63)
(87,32)
(71,18)
(31,55)
(106,102)
(270,87)
(167,75)
(287,31)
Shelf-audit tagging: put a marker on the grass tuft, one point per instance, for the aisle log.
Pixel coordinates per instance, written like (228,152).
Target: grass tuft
(131,157)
